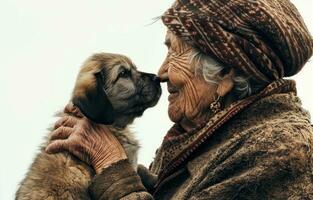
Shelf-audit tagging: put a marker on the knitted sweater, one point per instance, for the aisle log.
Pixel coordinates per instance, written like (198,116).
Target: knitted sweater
(264,151)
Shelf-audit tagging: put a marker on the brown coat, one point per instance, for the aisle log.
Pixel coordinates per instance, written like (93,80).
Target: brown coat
(264,152)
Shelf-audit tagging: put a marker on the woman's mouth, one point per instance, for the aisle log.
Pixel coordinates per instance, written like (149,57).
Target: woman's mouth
(173,91)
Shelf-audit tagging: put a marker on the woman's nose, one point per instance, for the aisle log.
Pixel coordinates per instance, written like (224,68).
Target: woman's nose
(163,77)
(163,72)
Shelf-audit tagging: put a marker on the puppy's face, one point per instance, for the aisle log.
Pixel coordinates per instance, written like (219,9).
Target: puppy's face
(110,90)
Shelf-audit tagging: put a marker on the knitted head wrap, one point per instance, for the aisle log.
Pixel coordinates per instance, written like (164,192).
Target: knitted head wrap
(264,39)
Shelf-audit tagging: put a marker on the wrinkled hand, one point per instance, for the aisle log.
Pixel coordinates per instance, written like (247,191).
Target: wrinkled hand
(92,143)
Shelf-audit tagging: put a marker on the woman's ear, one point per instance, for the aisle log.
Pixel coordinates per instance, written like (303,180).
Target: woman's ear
(226,84)
(94,103)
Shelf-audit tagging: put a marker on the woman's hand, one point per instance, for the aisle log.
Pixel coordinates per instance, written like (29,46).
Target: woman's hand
(92,143)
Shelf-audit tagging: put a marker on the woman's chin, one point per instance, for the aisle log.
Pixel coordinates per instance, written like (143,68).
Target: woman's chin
(174,112)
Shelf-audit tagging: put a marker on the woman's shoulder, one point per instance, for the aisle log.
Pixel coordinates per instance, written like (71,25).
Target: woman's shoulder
(278,116)
(281,134)
(277,146)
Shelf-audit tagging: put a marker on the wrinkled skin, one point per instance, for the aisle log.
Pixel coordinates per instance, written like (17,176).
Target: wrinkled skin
(90,142)
(189,100)
(190,95)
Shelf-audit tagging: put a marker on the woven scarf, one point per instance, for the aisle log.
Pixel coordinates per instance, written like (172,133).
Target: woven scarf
(179,146)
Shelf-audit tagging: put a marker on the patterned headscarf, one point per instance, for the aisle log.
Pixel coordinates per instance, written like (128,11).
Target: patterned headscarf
(265,39)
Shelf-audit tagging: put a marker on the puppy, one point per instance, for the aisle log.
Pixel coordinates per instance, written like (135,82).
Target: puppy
(108,90)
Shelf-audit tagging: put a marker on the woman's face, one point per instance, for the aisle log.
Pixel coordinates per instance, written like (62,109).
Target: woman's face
(190,95)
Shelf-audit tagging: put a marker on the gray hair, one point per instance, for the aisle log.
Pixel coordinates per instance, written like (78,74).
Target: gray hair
(210,68)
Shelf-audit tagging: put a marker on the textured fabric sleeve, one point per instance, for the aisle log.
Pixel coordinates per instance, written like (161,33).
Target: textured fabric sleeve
(118,182)
(272,164)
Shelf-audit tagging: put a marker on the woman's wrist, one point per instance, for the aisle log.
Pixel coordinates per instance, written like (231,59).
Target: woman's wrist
(99,167)
(103,163)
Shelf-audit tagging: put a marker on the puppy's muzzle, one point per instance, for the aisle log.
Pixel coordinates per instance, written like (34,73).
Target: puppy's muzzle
(149,89)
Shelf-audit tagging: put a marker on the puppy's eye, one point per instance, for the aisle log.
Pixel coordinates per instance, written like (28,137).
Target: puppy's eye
(124,73)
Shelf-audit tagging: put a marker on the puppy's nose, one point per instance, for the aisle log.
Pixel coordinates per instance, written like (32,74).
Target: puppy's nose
(156,79)
(152,77)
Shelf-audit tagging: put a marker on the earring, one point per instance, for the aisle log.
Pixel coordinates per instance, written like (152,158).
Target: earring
(215,106)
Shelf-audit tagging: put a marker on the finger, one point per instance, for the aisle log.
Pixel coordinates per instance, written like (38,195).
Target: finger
(68,121)
(61,133)
(73,110)
(57,146)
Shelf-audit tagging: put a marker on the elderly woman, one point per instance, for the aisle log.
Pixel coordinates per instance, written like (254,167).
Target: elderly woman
(240,131)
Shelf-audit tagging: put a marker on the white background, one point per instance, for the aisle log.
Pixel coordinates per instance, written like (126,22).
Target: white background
(42,45)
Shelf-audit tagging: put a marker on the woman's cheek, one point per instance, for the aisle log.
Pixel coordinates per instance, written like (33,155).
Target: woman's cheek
(176,109)
(191,101)
(184,105)
(176,77)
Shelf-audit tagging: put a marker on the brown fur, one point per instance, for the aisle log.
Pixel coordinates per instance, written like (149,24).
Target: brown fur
(63,176)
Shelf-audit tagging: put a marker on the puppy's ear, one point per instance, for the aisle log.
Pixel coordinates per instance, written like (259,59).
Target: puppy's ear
(95,104)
